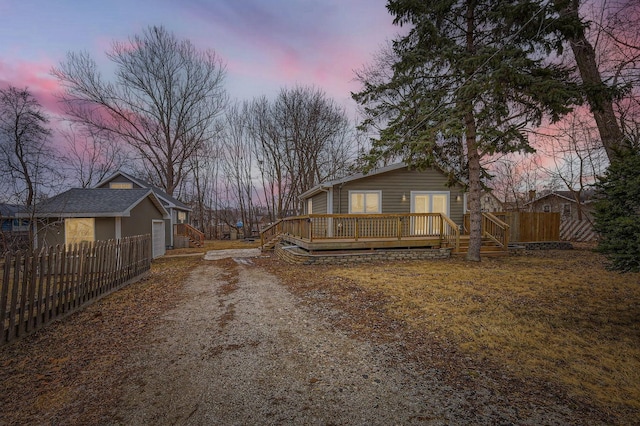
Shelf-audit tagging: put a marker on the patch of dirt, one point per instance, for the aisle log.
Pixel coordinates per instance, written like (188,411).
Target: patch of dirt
(228,342)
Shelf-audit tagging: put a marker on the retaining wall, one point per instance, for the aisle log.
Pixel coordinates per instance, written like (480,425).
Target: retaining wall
(296,255)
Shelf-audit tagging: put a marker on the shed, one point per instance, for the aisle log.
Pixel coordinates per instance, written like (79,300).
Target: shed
(100,214)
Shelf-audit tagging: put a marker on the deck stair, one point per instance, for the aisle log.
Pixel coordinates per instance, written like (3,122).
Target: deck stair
(193,235)
(488,247)
(271,243)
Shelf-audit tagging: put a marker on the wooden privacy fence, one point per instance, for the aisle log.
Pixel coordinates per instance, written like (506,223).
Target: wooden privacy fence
(527,226)
(40,286)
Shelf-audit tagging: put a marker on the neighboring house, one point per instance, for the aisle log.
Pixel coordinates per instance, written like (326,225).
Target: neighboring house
(100,214)
(488,203)
(9,220)
(14,231)
(178,212)
(564,202)
(576,217)
(391,189)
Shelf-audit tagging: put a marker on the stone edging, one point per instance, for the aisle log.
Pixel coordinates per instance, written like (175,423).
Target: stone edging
(295,255)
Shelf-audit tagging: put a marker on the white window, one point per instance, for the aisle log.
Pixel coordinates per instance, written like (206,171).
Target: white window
(365,202)
(182,217)
(77,230)
(120,185)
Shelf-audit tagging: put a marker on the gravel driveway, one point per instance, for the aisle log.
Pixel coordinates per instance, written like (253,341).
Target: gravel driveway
(242,350)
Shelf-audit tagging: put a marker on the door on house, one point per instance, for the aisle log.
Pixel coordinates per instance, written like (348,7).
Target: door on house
(428,202)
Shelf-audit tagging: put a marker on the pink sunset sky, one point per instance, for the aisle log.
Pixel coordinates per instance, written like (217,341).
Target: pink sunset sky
(266,45)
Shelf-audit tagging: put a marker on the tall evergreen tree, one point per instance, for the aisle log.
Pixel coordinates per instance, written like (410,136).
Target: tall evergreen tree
(469,77)
(618,213)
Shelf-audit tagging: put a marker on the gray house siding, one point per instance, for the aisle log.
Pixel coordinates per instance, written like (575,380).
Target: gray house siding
(396,183)
(50,232)
(319,203)
(105,228)
(140,220)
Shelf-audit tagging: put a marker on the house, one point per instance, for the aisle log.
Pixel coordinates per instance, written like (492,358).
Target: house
(178,212)
(567,203)
(391,189)
(490,203)
(9,221)
(14,231)
(100,214)
(393,208)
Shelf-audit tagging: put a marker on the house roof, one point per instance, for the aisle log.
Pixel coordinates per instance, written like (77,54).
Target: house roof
(96,202)
(165,198)
(9,210)
(585,196)
(326,185)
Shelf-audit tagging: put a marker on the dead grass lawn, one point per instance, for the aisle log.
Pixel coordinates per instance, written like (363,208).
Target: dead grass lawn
(555,316)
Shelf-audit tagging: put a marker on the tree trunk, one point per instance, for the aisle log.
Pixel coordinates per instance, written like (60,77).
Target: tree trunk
(598,95)
(475,214)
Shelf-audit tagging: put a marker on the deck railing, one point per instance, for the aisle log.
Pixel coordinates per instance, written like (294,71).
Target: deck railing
(357,227)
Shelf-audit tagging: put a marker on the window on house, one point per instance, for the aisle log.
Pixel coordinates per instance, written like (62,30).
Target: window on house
(309,206)
(120,185)
(182,217)
(546,208)
(77,230)
(365,202)
(566,209)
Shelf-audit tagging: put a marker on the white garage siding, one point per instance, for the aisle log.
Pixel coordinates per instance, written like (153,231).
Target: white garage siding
(157,238)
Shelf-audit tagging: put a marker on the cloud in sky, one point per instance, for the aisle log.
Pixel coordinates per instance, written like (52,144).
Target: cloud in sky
(266,45)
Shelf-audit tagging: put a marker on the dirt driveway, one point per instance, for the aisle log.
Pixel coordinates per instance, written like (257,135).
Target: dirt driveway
(240,349)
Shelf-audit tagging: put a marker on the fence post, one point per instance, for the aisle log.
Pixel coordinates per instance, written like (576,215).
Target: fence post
(4,294)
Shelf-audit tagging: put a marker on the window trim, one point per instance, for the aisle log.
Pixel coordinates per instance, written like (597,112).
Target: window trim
(365,192)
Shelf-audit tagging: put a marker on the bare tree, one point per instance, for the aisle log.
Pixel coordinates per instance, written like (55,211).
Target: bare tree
(163,101)
(606,52)
(26,158)
(300,139)
(238,166)
(91,156)
(514,177)
(574,157)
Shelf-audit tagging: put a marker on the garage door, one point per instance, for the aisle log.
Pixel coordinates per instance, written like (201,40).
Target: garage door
(157,238)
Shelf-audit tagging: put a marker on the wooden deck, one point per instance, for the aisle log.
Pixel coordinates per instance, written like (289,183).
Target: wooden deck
(321,233)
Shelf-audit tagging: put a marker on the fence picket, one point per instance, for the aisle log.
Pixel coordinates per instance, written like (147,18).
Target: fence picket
(31,294)
(4,293)
(14,296)
(47,290)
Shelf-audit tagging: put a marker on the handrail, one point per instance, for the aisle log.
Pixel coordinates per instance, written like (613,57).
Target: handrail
(184,229)
(495,229)
(270,231)
(456,232)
